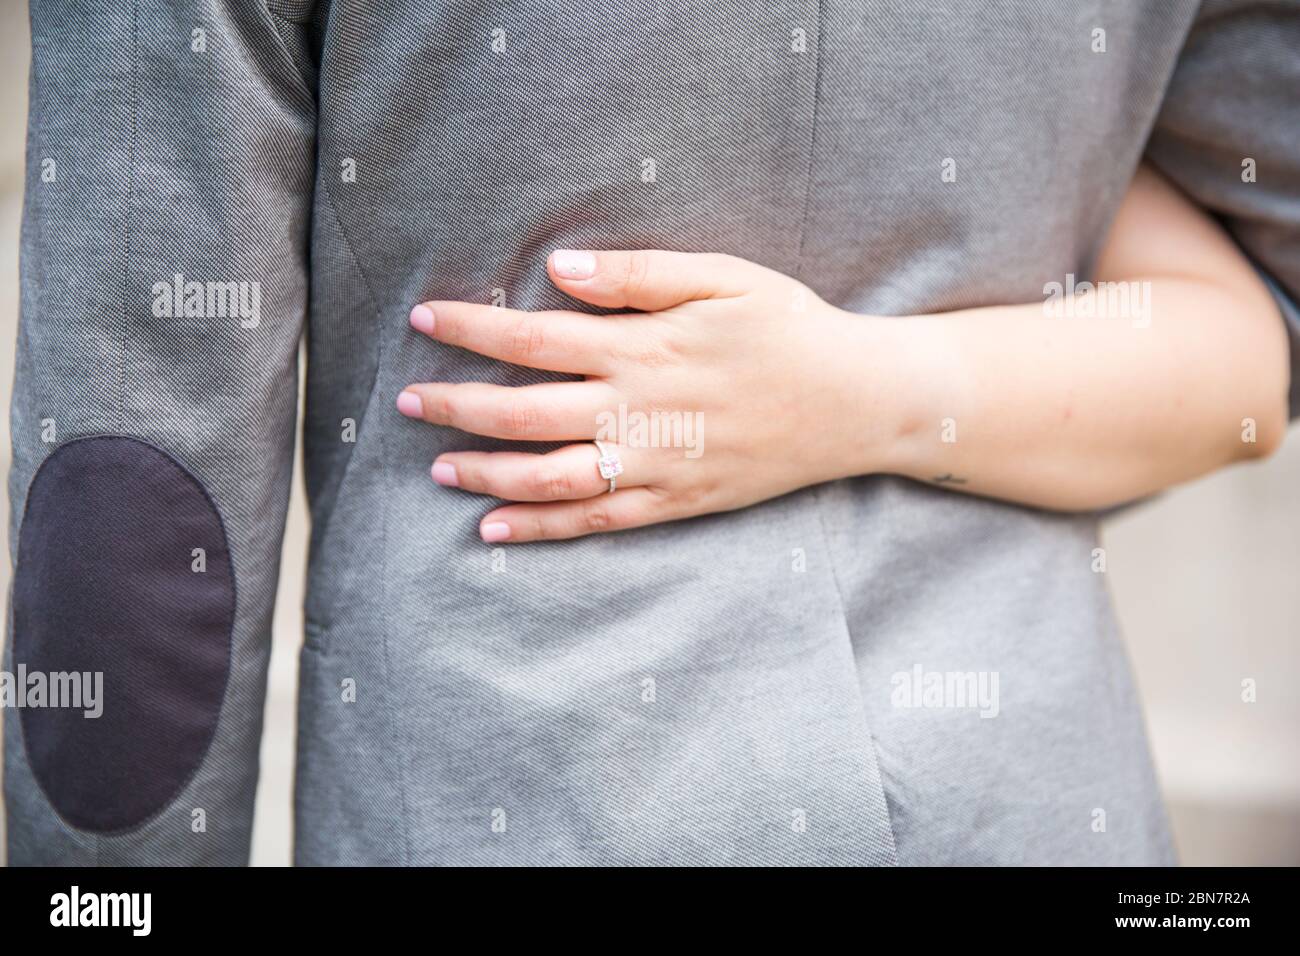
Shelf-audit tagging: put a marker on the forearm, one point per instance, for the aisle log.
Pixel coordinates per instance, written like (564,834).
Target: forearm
(1081,413)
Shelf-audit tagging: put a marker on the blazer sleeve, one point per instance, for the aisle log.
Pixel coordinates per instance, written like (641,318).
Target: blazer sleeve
(1228,133)
(170,168)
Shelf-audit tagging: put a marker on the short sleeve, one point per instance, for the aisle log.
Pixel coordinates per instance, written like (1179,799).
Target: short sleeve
(1228,133)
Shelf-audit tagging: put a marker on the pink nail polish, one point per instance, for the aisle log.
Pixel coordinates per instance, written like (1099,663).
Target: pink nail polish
(495,531)
(422,319)
(444,473)
(409,404)
(574,263)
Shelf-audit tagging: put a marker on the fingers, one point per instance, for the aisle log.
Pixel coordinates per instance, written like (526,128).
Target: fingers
(558,341)
(570,496)
(625,508)
(569,473)
(551,411)
(649,279)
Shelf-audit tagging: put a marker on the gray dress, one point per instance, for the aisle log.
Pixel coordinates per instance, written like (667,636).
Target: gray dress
(867,672)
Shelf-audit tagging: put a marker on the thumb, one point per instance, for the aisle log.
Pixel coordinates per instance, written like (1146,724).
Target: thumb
(648,279)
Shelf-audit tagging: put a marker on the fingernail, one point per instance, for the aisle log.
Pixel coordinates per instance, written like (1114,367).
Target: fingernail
(574,263)
(445,474)
(495,531)
(409,404)
(422,319)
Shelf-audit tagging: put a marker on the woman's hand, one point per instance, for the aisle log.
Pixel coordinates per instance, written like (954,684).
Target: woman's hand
(731,384)
(765,388)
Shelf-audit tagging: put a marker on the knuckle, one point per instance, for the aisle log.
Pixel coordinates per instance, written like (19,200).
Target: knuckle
(658,347)
(655,350)
(636,272)
(451,326)
(670,349)
(651,356)
(444,407)
(595,517)
(549,483)
(520,418)
(691,496)
(525,338)
(483,481)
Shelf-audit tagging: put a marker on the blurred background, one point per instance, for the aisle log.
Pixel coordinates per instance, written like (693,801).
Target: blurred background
(1207,581)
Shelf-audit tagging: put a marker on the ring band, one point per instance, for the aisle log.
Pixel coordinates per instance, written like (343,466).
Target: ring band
(609,464)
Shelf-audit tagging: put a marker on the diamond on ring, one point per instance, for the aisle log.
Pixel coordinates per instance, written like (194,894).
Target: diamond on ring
(609,464)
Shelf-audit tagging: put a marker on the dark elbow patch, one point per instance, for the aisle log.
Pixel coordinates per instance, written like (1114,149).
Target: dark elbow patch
(106,582)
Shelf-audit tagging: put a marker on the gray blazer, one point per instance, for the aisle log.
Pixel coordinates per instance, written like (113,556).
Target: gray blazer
(865,672)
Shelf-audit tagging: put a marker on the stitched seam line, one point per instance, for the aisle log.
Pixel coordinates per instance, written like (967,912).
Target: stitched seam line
(848,636)
(387,485)
(299,81)
(812,142)
(817,501)
(130,205)
(321,527)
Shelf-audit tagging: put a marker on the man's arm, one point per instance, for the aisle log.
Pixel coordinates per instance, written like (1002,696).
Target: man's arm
(170,168)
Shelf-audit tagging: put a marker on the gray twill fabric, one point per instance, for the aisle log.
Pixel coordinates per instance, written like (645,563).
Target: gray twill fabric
(717,691)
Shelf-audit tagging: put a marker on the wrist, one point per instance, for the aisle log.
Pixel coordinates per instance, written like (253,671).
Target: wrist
(903,370)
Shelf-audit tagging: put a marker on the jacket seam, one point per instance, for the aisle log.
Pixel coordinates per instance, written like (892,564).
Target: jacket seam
(384,523)
(848,634)
(812,141)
